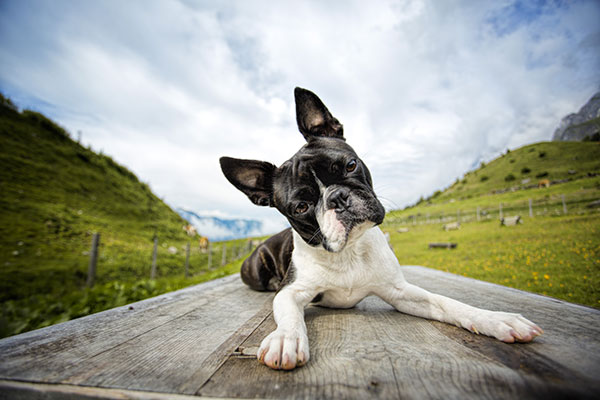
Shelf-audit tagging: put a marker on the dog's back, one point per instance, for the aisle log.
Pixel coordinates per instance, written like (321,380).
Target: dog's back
(266,269)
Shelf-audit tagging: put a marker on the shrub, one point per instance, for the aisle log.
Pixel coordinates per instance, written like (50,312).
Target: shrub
(542,174)
(525,170)
(542,154)
(509,177)
(484,178)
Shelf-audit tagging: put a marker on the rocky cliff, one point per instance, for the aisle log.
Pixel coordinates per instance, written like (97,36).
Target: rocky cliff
(583,125)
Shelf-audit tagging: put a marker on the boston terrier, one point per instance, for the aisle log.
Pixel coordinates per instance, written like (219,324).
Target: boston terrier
(334,255)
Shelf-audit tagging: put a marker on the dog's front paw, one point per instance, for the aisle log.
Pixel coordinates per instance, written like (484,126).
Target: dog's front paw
(506,327)
(284,350)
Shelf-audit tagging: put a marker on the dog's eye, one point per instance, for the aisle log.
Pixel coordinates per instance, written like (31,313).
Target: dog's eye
(351,166)
(301,208)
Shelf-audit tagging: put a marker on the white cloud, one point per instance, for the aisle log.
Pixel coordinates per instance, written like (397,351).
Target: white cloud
(425,89)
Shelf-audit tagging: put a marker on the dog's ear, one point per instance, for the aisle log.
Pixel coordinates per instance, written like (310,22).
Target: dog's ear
(253,178)
(314,119)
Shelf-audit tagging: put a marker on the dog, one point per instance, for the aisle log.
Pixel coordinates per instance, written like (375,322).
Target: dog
(334,254)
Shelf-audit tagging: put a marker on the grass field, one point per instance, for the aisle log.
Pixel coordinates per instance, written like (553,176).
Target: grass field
(558,256)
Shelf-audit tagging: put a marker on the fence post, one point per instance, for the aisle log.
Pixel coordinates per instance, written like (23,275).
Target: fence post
(530,209)
(91,278)
(224,256)
(500,207)
(564,204)
(154,251)
(187,259)
(209,254)
(458,216)
(478,214)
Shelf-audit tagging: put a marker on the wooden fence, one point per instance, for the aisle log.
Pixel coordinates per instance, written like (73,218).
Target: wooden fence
(227,253)
(555,205)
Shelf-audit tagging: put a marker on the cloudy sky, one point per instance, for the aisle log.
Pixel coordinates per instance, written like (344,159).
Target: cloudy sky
(426,90)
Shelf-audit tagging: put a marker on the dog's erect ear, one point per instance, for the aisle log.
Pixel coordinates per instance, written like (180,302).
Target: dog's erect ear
(314,119)
(253,178)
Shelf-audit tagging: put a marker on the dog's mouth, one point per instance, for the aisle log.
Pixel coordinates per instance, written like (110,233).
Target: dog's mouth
(334,231)
(338,229)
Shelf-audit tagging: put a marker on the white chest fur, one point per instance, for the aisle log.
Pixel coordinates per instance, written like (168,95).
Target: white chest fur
(346,277)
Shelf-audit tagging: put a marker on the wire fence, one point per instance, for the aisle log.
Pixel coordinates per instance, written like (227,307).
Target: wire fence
(548,205)
(165,260)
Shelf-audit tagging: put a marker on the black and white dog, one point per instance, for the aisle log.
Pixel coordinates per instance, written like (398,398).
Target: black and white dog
(334,255)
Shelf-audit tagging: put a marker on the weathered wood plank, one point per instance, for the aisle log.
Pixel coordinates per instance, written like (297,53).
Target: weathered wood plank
(345,363)
(165,358)
(416,358)
(571,332)
(185,342)
(11,390)
(141,348)
(373,351)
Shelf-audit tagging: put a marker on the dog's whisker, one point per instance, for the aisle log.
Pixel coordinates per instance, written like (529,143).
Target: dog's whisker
(317,232)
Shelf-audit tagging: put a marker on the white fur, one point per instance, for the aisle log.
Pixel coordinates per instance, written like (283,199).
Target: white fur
(367,266)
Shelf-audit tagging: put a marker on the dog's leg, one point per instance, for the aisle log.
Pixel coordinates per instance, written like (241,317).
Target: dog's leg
(507,327)
(287,346)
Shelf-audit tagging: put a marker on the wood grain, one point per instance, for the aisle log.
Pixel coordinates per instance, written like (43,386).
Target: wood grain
(192,342)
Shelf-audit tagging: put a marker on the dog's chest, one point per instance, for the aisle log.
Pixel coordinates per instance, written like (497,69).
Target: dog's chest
(342,278)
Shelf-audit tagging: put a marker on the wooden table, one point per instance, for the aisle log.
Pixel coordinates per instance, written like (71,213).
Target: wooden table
(194,342)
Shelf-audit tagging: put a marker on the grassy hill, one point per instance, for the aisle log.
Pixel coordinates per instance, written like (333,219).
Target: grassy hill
(524,168)
(55,193)
(551,252)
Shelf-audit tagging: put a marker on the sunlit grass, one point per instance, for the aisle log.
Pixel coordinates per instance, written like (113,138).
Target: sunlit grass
(558,256)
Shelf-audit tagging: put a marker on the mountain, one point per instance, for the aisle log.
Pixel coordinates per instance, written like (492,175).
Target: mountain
(583,125)
(222,229)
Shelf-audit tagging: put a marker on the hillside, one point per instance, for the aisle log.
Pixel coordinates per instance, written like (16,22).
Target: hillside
(523,169)
(554,251)
(55,193)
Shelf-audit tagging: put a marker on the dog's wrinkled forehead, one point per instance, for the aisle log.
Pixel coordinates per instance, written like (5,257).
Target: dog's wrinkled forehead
(317,159)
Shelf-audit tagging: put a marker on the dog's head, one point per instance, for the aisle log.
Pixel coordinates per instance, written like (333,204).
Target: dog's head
(325,190)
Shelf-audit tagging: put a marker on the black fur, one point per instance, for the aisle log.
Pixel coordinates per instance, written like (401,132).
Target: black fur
(325,160)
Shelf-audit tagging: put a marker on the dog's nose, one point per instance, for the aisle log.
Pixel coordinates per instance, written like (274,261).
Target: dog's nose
(339,200)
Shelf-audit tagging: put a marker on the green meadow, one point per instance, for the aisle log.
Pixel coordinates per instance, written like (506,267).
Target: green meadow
(558,256)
